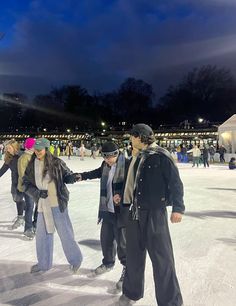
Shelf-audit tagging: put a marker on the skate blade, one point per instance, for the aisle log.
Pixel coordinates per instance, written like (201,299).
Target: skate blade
(114,291)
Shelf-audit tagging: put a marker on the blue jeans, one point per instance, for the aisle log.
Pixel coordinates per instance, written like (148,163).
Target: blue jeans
(44,241)
(29,208)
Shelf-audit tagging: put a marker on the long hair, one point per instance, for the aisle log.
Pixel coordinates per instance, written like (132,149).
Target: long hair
(8,157)
(49,166)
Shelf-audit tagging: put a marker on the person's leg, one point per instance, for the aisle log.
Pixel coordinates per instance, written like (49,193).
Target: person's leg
(44,245)
(65,231)
(161,253)
(35,217)
(20,205)
(120,236)
(133,285)
(108,244)
(29,207)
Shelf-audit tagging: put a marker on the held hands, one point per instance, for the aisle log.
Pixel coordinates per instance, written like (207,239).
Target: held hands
(175,217)
(117,199)
(43,194)
(78,177)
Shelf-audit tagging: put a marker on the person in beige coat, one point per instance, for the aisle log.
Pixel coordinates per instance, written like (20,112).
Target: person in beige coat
(23,161)
(196,155)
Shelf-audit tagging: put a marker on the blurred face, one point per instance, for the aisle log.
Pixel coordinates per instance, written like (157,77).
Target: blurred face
(136,143)
(110,160)
(40,153)
(10,149)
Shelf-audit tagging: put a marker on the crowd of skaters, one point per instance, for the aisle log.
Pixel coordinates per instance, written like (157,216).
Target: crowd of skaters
(126,212)
(198,154)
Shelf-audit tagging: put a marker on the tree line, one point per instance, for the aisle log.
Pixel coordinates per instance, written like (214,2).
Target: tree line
(208,92)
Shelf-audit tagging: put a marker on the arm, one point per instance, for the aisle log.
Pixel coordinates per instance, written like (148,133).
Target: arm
(29,187)
(97,173)
(4,169)
(174,185)
(21,166)
(68,177)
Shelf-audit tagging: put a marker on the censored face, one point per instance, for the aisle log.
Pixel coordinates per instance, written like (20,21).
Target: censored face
(110,160)
(40,153)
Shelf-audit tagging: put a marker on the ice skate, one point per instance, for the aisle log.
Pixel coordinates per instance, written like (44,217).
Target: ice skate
(29,233)
(125,301)
(35,269)
(19,221)
(119,284)
(102,269)
(74,269)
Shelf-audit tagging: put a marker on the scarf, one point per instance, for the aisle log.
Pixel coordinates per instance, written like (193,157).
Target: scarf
(117,182)
(42,184)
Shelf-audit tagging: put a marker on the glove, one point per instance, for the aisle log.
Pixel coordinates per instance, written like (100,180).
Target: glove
(43,194)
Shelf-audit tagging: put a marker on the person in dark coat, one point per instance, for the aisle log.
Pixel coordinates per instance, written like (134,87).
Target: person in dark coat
(222,152)
(44,180)
(152,182)
(232,163)
(111,213)
(12,154)
(205,156)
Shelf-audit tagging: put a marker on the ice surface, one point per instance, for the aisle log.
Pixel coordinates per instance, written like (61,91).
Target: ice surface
(204,246)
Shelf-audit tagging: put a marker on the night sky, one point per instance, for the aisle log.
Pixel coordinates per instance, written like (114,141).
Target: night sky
(99,43)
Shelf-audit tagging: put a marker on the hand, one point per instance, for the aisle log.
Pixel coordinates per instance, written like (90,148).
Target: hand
(78,177)
(43,194)
(175,217)
(117,199)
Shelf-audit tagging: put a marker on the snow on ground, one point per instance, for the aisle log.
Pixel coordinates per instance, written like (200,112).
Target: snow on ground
(204,246)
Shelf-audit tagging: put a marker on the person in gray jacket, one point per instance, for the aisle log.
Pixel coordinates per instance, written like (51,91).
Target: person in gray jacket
(152,183)
(30,225)
(112,214)
(44,181)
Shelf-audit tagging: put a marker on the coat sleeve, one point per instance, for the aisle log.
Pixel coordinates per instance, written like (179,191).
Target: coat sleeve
(90,175)
(29,187)
(174,184)
(68,176)
(4,169)
(21,166)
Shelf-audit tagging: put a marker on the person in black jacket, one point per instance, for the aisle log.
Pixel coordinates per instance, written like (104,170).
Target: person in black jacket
(152,183)
(12,154)
(232,163)
(111,211)
(44,181)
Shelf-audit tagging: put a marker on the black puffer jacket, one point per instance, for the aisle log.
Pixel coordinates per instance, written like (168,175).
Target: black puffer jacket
(63,176)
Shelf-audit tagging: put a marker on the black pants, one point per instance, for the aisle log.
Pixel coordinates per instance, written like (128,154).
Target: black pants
(20,206)
(205,161)
(113,240)
(151,233)
(222,159)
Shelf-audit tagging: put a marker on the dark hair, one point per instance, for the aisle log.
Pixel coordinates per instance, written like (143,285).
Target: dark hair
(147,139)
(49,166)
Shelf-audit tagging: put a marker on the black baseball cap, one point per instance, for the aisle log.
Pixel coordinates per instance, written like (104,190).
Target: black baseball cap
(141,129)
(109,149)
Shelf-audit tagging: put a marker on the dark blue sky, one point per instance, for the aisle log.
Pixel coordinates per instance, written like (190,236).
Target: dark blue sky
(97,44)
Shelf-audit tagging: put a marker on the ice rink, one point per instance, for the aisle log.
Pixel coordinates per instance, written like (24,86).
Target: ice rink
(204,246)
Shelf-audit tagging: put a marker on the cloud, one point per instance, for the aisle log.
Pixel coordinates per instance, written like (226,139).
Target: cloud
(99,45)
